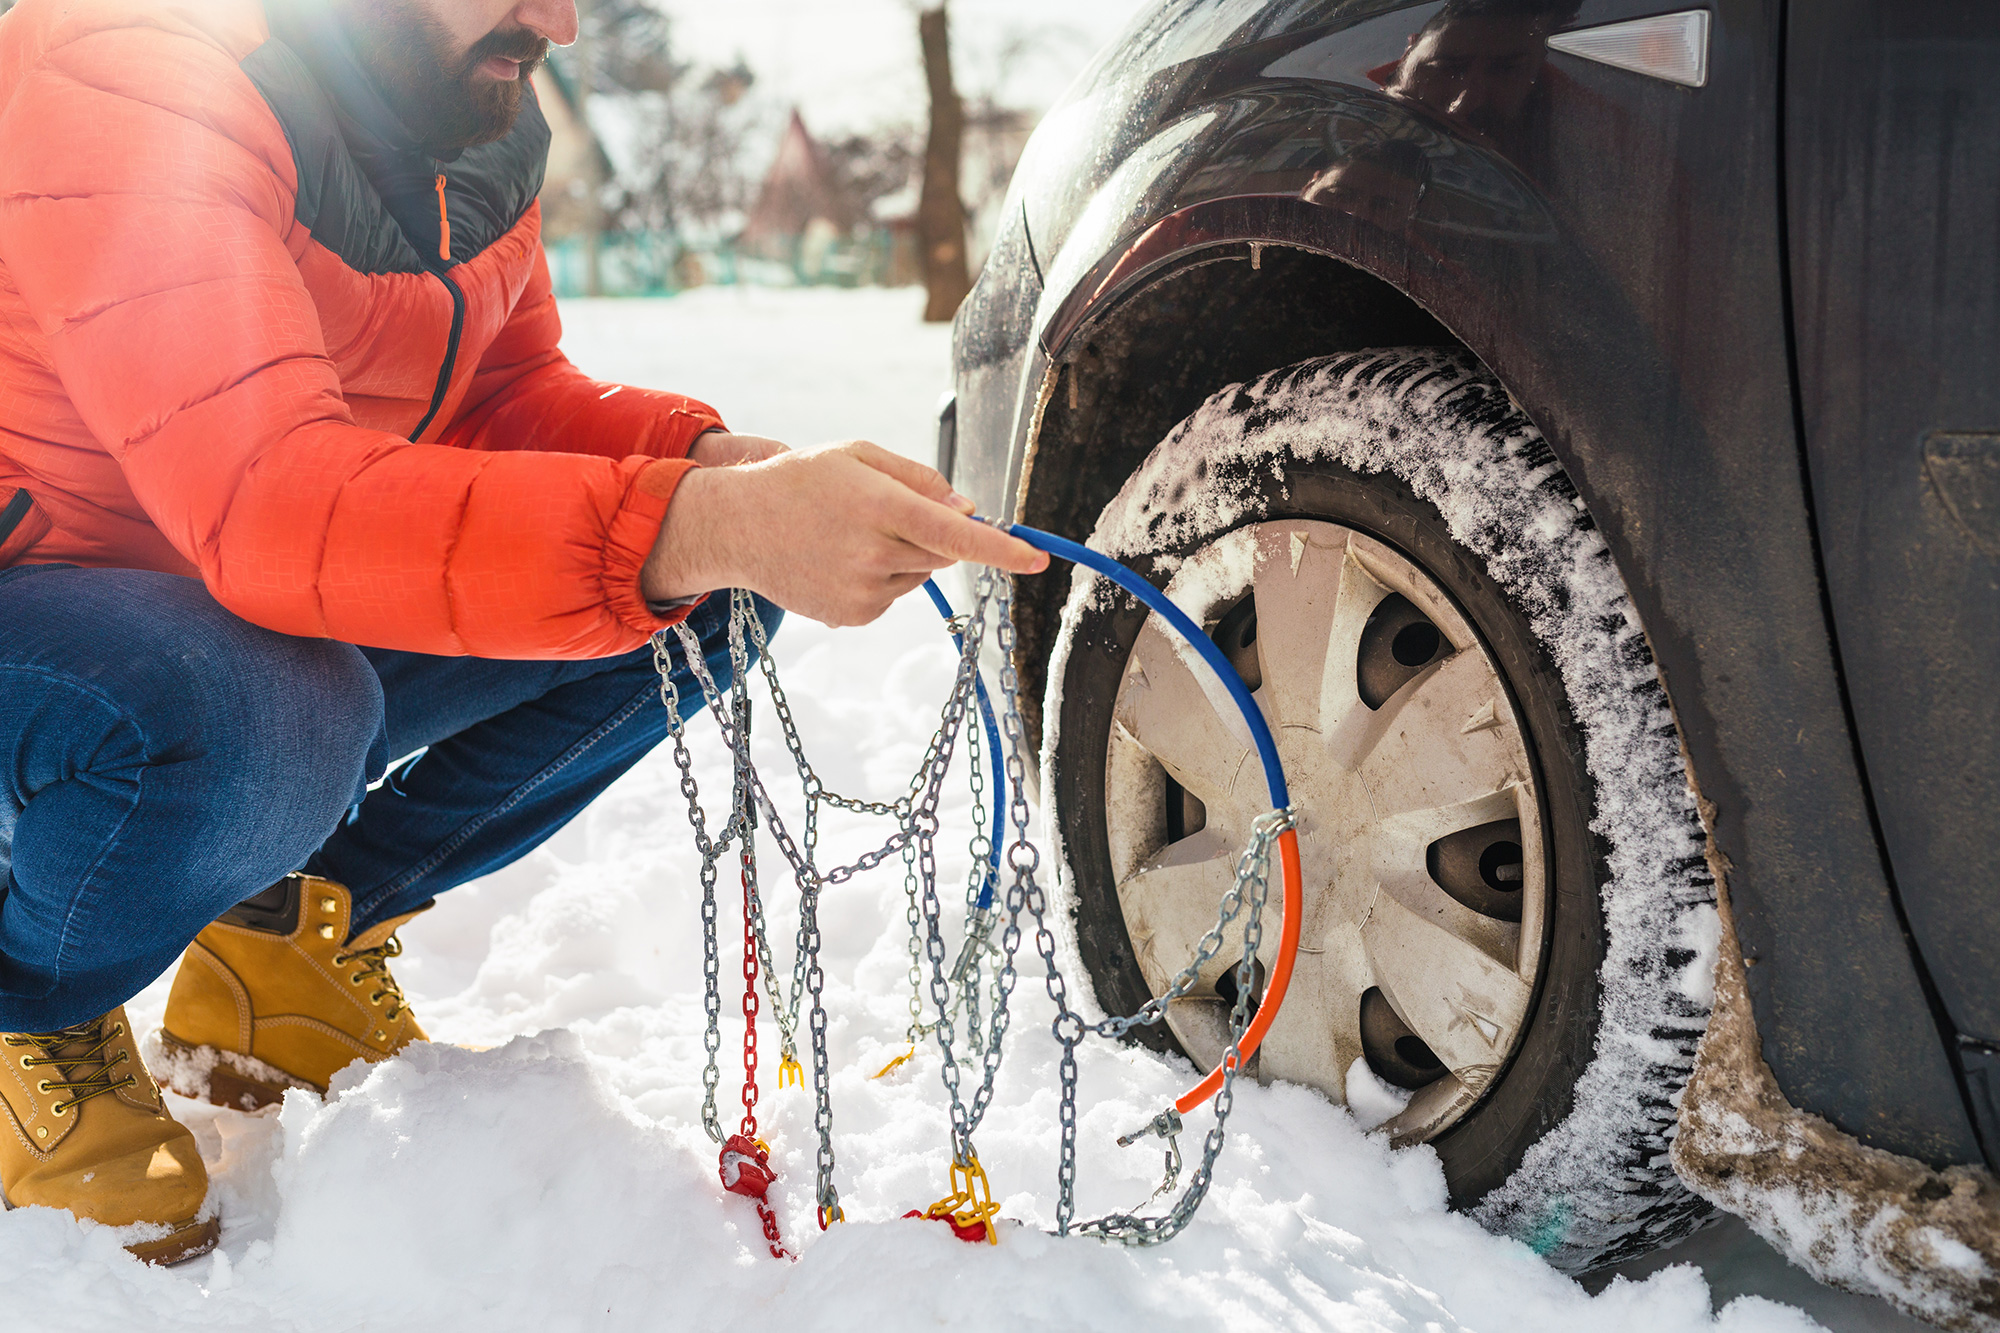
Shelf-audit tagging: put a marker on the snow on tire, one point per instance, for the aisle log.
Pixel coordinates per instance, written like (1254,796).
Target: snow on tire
(1421,452)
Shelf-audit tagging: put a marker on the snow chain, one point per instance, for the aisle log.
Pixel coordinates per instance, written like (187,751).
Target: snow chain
(969,995)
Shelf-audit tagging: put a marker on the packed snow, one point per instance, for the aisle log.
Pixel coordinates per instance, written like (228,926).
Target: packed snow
(559,1177)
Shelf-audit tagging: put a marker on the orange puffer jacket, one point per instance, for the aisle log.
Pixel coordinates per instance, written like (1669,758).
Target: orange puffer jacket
(250,332)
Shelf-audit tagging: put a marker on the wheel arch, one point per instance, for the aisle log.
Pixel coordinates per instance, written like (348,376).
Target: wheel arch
(1193,314)
(1137,341)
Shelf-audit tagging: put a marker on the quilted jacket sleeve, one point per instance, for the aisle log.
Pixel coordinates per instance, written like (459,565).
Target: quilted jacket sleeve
(145,215)
(527,395)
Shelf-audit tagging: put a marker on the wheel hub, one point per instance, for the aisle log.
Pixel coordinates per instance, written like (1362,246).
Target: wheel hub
(1419,821)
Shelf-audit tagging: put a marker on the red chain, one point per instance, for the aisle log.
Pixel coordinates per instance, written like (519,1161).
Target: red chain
(746,1163)
(750,1007)
(745,1168)
(771,1237)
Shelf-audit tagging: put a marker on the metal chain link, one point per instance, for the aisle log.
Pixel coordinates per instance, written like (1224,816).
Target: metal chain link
(917,809)
(1253,878)
(711,852)
(984,969)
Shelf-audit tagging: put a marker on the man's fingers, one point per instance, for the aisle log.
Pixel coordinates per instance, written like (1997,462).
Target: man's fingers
(864,606)
(938,529)
(925,481)
(1008,553)
(906,557)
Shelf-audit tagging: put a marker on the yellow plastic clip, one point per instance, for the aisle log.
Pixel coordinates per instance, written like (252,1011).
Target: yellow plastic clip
(970,1201)
(896,1063)
(790,1069)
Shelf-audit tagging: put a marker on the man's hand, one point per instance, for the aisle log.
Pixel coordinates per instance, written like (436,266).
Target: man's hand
(835,533)
(718,448)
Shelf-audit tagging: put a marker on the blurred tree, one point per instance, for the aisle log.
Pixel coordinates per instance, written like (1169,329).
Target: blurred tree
(674,134)
(688,170)
(871,167)
(584,80)
(941,207)
(623,51)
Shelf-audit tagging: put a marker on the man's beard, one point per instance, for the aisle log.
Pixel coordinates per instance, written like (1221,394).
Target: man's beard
(439,94)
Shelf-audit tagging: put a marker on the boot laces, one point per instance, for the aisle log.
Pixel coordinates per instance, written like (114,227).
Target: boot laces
(90,1069)
(374,966)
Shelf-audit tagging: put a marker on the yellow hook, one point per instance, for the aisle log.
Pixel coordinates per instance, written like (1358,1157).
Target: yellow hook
(970,1201)
(896,1063)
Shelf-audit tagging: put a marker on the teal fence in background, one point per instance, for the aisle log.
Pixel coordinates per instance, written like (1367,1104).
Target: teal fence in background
(661,264)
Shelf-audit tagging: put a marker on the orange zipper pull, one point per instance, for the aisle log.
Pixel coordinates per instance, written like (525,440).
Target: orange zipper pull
(444,223)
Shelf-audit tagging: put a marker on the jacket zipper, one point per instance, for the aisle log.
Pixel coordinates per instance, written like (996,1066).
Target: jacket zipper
(16,510)
(438,268)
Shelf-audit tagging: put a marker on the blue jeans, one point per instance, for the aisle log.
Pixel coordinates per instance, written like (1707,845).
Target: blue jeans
(161,760)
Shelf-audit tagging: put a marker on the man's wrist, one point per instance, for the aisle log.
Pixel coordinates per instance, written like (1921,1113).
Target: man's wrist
(688,560)
(723,448)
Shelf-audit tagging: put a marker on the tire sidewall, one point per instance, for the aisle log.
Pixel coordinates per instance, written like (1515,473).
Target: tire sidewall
(1535,1088)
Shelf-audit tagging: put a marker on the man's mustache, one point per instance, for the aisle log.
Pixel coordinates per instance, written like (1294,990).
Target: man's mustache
(515,44)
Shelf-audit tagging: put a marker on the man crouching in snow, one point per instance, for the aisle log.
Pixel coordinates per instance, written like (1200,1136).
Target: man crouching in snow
(294,482)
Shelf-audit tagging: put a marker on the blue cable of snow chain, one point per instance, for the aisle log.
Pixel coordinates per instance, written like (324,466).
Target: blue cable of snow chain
(1155,600)
(995,761)
(1274,778)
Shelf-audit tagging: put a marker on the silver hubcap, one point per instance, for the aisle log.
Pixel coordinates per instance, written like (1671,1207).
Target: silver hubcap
(1419,831)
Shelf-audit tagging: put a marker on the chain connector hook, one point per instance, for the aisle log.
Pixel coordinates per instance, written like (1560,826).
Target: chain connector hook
(1166,1124)
(896,1063)
(969,1208)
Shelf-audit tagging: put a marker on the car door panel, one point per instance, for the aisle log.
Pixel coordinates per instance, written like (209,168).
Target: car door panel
(1893,147)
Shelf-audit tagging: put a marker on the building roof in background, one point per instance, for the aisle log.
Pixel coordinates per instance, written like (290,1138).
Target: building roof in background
(799,190)
(574,136)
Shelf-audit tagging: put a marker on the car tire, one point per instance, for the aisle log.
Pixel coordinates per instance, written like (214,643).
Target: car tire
(1416,467)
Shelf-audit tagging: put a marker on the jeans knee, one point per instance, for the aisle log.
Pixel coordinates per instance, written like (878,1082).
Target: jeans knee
(276,738)
(281,771)
(345,729)
(205,771)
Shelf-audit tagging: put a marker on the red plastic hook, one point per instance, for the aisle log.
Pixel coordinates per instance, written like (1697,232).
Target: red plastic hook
(745,1168)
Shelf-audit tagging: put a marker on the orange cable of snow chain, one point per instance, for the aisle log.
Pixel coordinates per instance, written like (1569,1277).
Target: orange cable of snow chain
(1281,975)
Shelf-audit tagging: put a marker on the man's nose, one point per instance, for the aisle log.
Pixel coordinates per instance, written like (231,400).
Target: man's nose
(553,19)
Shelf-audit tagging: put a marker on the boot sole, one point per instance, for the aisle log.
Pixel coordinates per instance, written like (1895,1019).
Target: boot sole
(237,1082)
(190,1240)
(184,1243)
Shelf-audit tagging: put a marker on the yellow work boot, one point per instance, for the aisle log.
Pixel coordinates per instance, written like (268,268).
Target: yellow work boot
(91,1135)
(274,995)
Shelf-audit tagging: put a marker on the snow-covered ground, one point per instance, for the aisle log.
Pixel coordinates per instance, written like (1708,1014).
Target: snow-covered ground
(561,1179)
